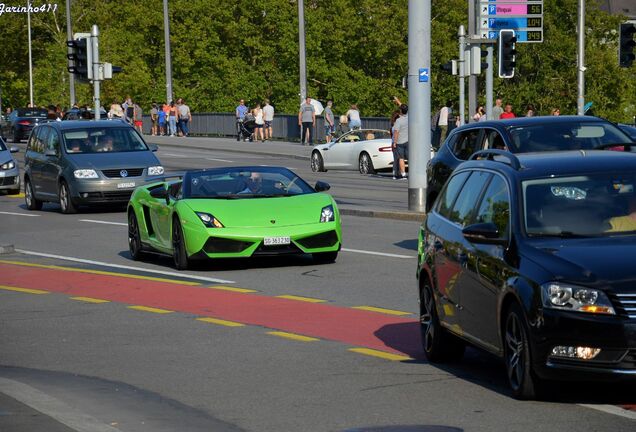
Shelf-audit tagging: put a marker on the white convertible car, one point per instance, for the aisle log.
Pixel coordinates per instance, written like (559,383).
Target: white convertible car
(367,150)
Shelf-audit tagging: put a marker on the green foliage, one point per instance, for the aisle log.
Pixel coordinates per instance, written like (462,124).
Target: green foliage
(224,50)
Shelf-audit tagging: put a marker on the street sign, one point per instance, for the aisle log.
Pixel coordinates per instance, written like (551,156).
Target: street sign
(423,75)
(525,17)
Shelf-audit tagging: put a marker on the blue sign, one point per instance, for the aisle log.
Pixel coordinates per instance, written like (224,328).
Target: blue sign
(423,75)
(507,23)
(521,35)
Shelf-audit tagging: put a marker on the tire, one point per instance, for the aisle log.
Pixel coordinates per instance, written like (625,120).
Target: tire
(179,254)
(438,344)
(325,257)
(66,202)
(30,200)
(523,382)
(134,237)
(317,164)
(365,164)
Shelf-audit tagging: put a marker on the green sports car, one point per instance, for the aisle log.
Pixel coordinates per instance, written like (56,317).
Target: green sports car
(234,212)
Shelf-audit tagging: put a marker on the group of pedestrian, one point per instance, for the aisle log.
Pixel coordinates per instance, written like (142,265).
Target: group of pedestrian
(307,121)
(167,119)
(260,120)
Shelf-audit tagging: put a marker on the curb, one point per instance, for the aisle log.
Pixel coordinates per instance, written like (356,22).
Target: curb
(6,249)
(384,214)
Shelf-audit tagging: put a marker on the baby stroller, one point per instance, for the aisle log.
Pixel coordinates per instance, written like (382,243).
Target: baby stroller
(246,128)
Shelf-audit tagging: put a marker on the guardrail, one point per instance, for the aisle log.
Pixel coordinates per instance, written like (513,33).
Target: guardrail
(284,126)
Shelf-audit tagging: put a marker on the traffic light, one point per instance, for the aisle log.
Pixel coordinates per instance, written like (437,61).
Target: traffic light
(626,45)
(80,58)
(507,53)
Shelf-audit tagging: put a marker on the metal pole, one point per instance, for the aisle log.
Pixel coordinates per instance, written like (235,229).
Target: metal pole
(95,66)
(166,36)
(301,50)
(580,103)
(473,84)
(462,73)
(69,36)
(489,82)
(419,145)
(30,57)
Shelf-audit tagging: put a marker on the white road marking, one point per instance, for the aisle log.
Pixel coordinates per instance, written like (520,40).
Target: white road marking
(611,409)
(378,253)
(174,155)
(20,214)
(125,267)
(219,160)
(103,222)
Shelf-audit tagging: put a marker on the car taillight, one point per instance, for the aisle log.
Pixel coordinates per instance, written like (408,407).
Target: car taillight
(24,122)
(385,149)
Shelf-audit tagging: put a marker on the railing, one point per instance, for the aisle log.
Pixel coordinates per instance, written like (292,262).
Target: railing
(284,126)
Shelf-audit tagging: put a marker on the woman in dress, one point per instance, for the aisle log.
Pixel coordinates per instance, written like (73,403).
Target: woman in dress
(257,112)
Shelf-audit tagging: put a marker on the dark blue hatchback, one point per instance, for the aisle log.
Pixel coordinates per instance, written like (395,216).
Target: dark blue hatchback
(531,257)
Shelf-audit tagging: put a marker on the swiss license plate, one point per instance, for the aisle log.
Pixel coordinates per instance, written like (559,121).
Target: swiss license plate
(273,241)
(125,185)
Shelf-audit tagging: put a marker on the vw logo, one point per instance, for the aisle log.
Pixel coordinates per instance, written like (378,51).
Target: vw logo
(123,173)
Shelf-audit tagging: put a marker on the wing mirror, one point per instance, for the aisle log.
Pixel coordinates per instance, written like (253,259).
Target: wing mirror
(484,233)
(50,153)
(153,147)
(14,149)
(322,186)
(160,193)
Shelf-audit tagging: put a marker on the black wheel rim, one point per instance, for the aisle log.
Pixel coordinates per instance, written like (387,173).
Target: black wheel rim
(427,327)
(27,195)
(364,164)
(133,233)
(176,243)
(515,351)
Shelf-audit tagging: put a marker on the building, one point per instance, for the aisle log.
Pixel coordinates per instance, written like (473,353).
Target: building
(619,7)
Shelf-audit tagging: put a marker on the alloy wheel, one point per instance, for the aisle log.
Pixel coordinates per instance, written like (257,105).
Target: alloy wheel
(427,327)
(515,351)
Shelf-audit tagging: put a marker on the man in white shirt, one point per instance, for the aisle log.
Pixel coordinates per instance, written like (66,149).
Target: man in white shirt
(401,139)
(442,124)
(268,118)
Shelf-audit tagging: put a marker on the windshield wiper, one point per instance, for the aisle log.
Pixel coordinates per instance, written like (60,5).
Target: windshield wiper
(563,234)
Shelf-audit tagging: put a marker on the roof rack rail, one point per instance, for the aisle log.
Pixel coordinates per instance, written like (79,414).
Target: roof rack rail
(490,154)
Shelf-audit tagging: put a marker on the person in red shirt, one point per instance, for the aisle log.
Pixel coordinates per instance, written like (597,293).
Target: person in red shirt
(507,112)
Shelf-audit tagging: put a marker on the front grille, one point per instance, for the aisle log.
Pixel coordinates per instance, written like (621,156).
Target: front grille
(116,173)
(277,250)
(223,245)
(114,196)
(625,304)
(322,240)
(7,181)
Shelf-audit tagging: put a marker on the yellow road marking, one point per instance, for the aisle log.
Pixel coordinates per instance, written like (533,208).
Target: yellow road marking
(23,290)
(20,195)
(90,300)
(381,310)
(221,322)
(149,309)
(293,336)
(99,272)
(233,289)
(380,354)
(304,299)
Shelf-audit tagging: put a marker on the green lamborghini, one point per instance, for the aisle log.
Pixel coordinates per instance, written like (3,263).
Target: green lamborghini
(234,212)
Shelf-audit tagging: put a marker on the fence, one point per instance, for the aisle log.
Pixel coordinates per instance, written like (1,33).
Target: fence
(284,126)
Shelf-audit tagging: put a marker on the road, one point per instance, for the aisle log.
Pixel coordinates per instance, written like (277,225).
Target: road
(92,340)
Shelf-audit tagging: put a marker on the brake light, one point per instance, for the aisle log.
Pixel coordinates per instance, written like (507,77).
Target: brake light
(385,149)
(24,122)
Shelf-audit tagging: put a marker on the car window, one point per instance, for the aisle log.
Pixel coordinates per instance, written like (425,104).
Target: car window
(96,140)
(41,139)
(495,206)
(466,144)
(467,199)
(493,140)
(53,141)
(448,195)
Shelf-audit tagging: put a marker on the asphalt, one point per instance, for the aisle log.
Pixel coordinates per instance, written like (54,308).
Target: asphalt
(283,149)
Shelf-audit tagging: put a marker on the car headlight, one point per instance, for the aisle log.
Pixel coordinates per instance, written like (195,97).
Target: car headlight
(8,165)
(327,214)
(155,170)
(85,174)
(209,220)
(557,295)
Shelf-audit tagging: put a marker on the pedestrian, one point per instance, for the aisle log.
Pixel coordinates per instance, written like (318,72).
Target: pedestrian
(530,111)
(268,117)
(129,109)
(161,119)
(240,112)
(330,125)
(497,110)
(138,117)
(555,112)
(116,111)
(257,112)
(442,123)
(185,117)
(479,114)
(507,114)
(306,121)
(401,139)
(354,117)
(173,116)
(343,125)
(396,158)
(154,118)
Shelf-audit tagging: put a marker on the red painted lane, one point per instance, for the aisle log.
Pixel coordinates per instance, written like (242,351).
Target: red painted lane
(350,326)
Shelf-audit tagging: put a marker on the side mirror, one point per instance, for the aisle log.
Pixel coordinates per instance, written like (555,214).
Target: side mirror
(50,153)
(153,147)
(159,193)
(14,149)
(484,233)
(322,186)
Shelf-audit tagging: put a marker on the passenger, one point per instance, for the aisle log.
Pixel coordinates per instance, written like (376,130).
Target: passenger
(106,145)
(254,184)
(624,223)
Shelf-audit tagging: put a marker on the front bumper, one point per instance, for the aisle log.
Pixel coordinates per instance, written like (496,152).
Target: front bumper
(96,191)
(614,335)
(10,179)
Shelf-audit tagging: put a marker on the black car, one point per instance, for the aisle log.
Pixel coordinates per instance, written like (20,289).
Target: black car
(519,135)
(629,130)
(531,257)
(19,123)
(83,114)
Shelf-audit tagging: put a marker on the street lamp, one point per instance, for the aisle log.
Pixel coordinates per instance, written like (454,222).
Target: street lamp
(166,32)
(301,50)
(30,57)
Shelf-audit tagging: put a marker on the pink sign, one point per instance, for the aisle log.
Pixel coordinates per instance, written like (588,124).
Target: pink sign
(511,9)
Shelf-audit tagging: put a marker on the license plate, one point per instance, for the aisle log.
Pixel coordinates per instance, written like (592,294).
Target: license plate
(125,185)
(273,241)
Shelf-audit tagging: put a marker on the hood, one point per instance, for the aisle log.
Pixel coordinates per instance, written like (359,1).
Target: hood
(594,262)
(5,156)
(259,212)
(114,160)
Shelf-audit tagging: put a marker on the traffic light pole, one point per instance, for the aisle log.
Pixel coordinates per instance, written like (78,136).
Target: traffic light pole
(580,102)
(462,73)
(69,36)
(95,47)
(489,81)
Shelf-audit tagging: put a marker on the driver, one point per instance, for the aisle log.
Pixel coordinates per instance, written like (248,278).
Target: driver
(627,222)
(254,184)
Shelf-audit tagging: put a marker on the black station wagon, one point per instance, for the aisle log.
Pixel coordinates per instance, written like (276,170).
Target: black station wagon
(531,257)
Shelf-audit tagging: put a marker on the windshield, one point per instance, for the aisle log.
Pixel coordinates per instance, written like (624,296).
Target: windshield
(95,140)
(2,146)
(589,205)
(238,183)
(32,112)
(574,135)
